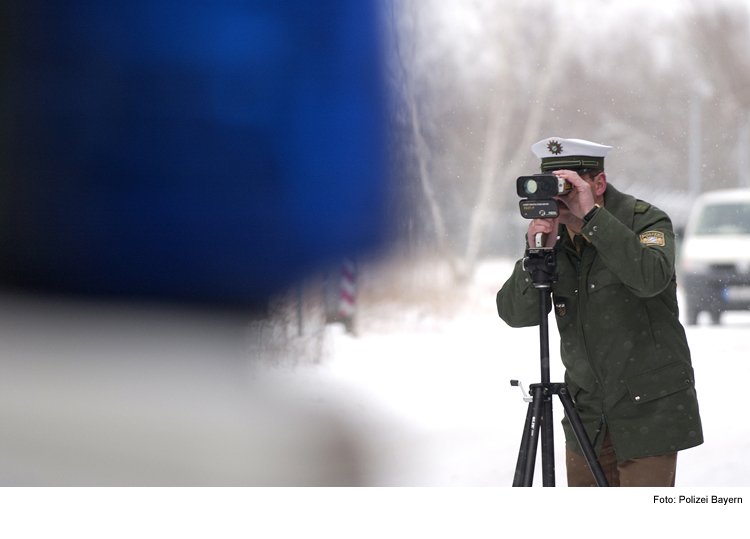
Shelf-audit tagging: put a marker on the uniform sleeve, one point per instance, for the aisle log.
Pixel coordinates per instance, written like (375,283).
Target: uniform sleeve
(518,300)
(643,258)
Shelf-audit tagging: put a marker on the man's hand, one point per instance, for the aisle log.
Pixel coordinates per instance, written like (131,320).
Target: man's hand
(547,227)
(580,200)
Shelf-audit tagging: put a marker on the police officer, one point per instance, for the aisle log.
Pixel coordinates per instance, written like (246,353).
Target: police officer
(626,357)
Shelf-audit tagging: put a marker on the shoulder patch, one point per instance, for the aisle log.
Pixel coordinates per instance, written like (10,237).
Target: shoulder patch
(653,237)
(641,206)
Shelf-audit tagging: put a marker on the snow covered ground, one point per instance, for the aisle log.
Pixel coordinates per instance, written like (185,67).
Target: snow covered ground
(436,408)
(95,393)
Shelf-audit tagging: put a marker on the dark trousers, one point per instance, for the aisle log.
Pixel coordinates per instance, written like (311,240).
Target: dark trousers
(643,472)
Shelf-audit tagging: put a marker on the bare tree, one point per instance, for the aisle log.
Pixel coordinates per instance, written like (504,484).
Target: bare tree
(404,50)
(719,34)
(479,81)
(488,88)
(500,141)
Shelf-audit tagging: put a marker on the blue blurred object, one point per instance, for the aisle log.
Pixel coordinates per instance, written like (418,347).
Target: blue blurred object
(210,151)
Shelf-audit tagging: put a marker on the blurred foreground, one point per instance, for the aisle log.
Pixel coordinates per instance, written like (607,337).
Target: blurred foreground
(120,395)
(113,394)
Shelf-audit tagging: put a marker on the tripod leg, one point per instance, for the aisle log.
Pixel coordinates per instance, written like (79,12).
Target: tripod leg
(536,418)
(548,446)
(583,438)
(523,452)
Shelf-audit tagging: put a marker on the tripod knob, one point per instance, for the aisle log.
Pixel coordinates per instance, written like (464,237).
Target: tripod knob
(526,396)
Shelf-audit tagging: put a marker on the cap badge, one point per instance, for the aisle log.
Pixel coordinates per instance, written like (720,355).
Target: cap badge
(554,147)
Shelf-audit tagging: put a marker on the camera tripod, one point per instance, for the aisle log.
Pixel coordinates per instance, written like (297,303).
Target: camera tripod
(541,263)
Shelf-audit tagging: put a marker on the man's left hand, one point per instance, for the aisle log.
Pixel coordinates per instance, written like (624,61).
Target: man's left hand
(580,200)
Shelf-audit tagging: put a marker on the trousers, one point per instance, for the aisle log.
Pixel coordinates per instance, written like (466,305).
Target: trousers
(656,471)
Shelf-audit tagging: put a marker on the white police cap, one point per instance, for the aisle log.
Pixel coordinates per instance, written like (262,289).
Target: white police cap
(570,153)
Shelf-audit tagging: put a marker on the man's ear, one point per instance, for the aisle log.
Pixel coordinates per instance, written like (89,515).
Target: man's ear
(600,184)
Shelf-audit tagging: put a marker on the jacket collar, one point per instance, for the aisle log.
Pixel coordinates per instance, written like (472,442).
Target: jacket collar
(620,205)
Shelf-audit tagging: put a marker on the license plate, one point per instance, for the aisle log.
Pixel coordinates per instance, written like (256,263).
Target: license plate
(736,293)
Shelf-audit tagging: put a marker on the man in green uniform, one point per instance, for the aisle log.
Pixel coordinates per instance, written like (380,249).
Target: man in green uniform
(627,361)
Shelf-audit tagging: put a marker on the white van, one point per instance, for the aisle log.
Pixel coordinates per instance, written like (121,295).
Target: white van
(714,266)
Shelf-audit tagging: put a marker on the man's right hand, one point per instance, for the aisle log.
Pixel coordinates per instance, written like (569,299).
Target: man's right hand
(547,227)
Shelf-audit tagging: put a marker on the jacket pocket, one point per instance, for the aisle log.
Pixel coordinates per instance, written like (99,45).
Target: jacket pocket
(660,382)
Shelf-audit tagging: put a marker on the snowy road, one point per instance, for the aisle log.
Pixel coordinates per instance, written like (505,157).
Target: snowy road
(439,410)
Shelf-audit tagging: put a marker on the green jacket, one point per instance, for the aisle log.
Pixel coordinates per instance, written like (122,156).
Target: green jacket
(626,357)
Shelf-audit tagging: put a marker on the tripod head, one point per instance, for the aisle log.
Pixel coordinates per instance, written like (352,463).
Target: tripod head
(541,263)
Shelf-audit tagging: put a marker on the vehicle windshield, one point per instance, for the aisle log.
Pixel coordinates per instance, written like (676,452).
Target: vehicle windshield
(724,220)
